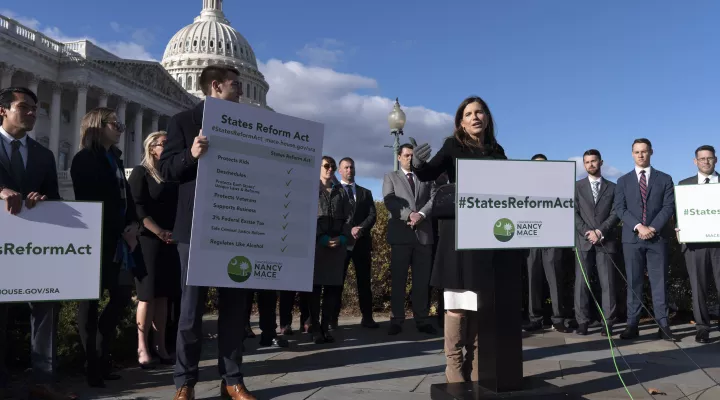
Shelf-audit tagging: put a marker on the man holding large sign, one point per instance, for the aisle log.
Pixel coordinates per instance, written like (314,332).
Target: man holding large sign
(699,218)
(28,175)
(179,162)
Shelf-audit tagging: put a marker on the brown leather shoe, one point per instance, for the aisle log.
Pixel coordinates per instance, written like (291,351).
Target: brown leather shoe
(185,393)
(47,392)
(236,392)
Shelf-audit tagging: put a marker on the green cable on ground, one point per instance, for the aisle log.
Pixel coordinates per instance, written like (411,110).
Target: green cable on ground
(607,329)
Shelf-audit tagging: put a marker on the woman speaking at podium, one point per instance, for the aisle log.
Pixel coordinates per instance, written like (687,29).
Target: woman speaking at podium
(459,273)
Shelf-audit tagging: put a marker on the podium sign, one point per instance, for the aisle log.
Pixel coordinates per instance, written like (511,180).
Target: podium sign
(698,213)
(51,252)
(503,204)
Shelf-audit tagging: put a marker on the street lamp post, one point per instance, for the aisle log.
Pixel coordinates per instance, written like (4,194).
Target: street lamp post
(396,120)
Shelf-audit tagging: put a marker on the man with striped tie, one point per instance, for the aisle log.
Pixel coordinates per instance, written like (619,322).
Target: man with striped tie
(645,202)
(596,230)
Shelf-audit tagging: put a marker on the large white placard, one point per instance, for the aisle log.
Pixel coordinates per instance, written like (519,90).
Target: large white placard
(51,252)
(698,213)
(505,204)
(256,199)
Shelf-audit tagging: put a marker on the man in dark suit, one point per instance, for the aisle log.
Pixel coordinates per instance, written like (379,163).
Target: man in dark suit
(410,236)
(545,262)
(701,258)
(596,228)
(645,202)
(360,242)
(185,145)
(28,175)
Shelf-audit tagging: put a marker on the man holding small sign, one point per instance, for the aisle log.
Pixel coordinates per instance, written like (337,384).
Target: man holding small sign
(28,175)
(702,258)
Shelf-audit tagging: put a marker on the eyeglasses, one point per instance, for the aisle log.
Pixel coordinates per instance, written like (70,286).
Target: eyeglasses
(119,126)
(706,159)
(330,166)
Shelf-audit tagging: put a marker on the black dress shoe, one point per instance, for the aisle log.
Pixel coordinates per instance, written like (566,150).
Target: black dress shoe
(394,329)
(532,326)
(276,342)
(560,327)
(604,332)
(631,332)
(667,335)
(427,328)
(249,332)
(703,336)
(582,329)
(369,323)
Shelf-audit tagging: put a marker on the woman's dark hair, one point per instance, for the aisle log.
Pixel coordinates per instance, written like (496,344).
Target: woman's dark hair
(489,143)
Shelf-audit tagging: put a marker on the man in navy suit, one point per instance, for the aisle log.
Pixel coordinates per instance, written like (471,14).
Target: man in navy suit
(645,202)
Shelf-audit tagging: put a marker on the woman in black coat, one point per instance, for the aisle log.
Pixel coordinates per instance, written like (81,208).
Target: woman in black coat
(456,271)
(98,175)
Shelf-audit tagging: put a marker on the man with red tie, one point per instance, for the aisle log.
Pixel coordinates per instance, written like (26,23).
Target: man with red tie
(645,202)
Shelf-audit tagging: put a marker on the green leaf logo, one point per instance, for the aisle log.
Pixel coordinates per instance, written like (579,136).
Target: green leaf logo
(239,269)
(504,230)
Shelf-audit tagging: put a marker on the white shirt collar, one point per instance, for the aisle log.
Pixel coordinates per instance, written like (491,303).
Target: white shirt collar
(8,138)
(713,177)
(593,179)
(647,169)
(404,171)
(342,182)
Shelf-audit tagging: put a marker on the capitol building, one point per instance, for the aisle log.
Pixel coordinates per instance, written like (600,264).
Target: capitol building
(72,78)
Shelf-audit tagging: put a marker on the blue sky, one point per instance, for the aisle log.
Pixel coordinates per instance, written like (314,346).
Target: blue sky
(560,76)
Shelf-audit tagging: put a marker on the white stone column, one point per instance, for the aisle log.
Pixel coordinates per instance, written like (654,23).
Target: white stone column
(155,122)
(103,99)
(137,144)
(120,112)
(80,111)
(55,121)
(7,73)
(33,83)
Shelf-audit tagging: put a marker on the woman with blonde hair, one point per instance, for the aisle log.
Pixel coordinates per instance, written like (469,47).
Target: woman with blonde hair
(155,205)
(98,175)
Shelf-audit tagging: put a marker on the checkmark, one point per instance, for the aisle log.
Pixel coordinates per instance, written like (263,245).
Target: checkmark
(288,182)
(287,204)
(283,249)
(285,226)
(286,215)
(283,238)
(290,170)
(287,194)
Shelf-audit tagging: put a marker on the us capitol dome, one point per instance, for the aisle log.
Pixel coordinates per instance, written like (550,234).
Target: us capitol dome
(211,40)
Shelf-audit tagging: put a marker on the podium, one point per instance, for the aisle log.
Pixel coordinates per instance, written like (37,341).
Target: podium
(491,224)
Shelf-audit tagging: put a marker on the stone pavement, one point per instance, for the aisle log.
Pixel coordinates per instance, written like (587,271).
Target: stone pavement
(368,364)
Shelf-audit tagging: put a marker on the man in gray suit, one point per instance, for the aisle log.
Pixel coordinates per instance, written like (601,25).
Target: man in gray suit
(702,258)
(596,227)
(410,236)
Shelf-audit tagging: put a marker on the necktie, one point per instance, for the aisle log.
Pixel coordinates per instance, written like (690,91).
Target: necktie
(707,180)
(16,163)
(411,181)
(351,194)
(595,190)
(643,194)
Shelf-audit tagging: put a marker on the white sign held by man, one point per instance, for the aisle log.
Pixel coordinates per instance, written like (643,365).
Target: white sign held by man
(51,252)
(256,199)
(698,213)
(504,204)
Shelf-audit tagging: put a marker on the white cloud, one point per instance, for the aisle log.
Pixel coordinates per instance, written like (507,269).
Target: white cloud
(131,49)
(325,53)
(608,171)
(355,125)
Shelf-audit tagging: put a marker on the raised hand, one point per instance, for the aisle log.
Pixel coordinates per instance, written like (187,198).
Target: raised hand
(421,153)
